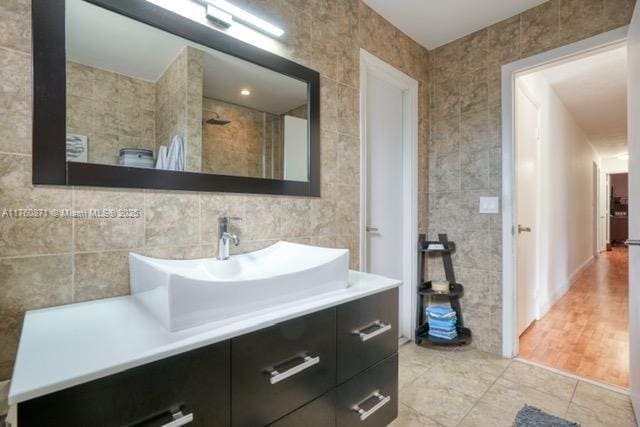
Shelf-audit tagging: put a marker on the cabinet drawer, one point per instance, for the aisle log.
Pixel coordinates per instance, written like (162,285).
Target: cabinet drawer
(370,398)
(367,332)
(195,383)
(319,413)
(279,369)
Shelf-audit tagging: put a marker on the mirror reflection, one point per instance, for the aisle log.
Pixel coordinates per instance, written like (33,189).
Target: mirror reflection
(140,97)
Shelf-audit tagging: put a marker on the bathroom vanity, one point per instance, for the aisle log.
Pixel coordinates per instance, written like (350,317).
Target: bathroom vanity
(327,360)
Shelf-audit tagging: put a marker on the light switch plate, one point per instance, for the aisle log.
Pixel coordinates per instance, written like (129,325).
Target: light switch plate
(489,205)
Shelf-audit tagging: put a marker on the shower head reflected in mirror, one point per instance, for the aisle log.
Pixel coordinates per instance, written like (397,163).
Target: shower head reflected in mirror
(217,120)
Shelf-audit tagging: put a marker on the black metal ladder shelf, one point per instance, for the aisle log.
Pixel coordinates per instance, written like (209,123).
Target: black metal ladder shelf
(444,248)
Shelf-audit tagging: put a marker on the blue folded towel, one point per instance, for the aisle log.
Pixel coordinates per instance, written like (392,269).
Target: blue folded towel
(446,316)
(440,311)
(447,324)
(442,322)
(444,335)
(442,331)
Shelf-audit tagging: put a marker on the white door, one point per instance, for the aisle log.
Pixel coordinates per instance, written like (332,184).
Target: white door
(603,210)
(384,166)
(634,206)
(389,181)
(295,149)
(527,190)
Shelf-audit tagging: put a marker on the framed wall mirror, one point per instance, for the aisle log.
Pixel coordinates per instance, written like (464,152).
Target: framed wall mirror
(128,94)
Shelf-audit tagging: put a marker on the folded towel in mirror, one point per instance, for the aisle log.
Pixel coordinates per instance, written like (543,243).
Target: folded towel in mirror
(174,158)
(161,161)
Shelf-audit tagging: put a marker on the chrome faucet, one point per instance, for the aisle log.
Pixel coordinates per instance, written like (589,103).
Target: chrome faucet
(224,236)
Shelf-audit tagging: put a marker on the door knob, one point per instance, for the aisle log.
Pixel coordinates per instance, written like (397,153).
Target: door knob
(371,229)
(522,229)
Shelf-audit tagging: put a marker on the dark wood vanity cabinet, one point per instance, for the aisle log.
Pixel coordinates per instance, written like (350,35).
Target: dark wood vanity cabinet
(278,369)
(367,332)
(318,413)
(335,367)
(370,398)
(194,384)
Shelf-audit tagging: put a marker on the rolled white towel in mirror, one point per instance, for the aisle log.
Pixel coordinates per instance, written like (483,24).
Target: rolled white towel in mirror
(175,155)
(172,158)
(161,161)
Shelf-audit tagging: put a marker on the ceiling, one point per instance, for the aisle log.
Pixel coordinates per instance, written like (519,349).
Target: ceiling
(106,40)
(594,90)
(112,42)
(433,23)
(224,77)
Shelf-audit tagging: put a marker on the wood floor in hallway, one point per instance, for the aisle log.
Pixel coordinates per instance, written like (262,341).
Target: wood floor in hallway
(586,331)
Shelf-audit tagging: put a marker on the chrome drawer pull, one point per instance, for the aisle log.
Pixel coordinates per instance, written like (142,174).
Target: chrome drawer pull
(179,419)
(382,328)
(382,400)
(309,361)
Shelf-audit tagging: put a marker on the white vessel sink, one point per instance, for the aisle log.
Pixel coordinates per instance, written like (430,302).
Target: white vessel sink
(188,293)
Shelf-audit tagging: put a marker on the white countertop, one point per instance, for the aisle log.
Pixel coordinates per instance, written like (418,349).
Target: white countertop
(64,346)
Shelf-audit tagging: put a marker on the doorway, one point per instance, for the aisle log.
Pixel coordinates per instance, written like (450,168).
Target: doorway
(619,208)
(565,127)
(388,181)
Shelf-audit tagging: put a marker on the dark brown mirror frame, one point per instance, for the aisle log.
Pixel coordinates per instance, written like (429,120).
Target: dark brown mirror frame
(49,107)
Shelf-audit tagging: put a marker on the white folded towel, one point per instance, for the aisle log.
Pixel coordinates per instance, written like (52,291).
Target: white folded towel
(174,158)
(175,155)
(161,161)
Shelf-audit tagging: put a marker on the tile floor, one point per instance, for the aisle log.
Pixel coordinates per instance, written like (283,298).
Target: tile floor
(467,387)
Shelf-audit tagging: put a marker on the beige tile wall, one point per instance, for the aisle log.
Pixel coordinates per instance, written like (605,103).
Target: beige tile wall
(45,262)
(179,105)
(237,147)
(465,143)
(115,111)
(299,112)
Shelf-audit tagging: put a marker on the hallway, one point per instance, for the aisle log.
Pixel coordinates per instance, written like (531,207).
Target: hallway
(586,331)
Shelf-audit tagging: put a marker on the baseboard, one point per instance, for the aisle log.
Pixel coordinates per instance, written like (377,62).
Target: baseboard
(635,402)
(573,277)
(576,274)
(543,310)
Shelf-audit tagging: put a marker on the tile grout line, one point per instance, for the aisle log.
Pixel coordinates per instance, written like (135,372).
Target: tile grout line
(571,399)
(10,153)
(16,51)
(485,392)
(36,255)
(429,368)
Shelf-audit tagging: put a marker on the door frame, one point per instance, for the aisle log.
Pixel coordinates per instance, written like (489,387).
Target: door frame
(596,210)
(604,41)
(608,212)
(372,65)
